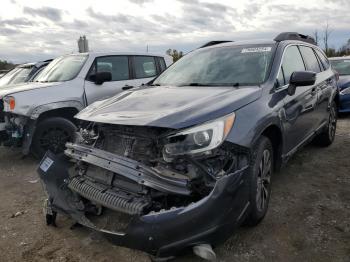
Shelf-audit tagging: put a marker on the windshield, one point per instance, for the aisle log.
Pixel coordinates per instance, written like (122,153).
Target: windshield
(16,76)
(61,69)
(341,66)
(232,65)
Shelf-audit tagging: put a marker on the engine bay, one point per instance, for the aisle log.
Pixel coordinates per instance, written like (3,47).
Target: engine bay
(126,169)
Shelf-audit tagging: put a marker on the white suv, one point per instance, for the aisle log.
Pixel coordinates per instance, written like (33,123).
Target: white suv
(39,115)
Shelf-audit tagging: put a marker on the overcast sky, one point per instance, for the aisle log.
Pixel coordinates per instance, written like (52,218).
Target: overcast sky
(41,29)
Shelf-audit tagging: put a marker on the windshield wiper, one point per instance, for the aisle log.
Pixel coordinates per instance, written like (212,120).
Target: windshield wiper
(194,84)
(212,84)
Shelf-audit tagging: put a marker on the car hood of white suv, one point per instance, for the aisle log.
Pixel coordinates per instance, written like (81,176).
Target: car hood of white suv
(11,89)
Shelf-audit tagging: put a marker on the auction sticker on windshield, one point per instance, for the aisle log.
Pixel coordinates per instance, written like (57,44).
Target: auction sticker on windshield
(256,49)
(46,164)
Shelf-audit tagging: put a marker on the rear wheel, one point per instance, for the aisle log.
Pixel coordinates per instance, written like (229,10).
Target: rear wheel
(327,136)
(52,134)
(260,172)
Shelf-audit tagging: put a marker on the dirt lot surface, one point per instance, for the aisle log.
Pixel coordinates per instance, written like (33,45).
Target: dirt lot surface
(308,218)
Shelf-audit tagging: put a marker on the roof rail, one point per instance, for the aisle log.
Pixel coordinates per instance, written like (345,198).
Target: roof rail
(294,36)
(214,43)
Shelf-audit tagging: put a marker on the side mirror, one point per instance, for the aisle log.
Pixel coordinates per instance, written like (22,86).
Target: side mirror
(301,78)
(102,77)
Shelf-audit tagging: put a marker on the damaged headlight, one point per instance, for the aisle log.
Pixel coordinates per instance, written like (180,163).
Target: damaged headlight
(9,103)
(200,138)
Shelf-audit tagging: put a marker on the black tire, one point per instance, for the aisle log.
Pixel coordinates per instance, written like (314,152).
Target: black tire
(52,134)
(259,175)
(326,137)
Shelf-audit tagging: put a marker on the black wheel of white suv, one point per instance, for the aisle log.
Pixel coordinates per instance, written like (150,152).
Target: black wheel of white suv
(327,136)
(260,172)
(52,134)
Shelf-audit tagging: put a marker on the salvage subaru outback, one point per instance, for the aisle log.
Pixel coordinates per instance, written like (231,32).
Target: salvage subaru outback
(181,163)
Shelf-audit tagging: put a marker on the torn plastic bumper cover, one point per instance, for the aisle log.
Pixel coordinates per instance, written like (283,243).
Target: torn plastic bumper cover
(165,233)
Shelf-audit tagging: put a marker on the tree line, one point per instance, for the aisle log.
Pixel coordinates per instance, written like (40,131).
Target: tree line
(324,35)
(5,65)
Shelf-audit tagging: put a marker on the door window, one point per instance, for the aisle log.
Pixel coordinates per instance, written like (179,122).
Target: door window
(118,66)
(292,62)
(310,59)
(323,59)
(145,66)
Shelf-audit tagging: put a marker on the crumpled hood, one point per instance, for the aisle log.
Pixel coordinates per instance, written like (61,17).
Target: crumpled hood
(11,89)
(344,81)
(171,107)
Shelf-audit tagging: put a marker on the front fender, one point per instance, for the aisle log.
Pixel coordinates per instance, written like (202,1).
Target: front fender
(36,112)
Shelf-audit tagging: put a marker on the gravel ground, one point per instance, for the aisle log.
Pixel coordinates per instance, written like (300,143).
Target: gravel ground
(308,218)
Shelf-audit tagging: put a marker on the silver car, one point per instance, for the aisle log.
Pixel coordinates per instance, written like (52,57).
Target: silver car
(39,116)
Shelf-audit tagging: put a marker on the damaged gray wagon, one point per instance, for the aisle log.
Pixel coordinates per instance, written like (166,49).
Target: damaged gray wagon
(179,164)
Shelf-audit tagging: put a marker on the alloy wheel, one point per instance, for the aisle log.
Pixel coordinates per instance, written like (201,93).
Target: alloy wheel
(332,125)
(263,180)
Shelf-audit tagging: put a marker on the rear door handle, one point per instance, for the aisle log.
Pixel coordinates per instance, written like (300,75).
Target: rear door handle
(313,91)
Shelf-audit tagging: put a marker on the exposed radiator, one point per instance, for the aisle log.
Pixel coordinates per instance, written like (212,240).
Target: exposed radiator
(117,201)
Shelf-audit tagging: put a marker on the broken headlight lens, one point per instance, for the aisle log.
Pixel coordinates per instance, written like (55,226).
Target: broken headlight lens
(9,103)
(200,138)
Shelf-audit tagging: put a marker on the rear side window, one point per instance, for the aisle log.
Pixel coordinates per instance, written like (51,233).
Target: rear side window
(145,66)
(310,59)
(162,64)
(292,62)
(323,59)
(118,66)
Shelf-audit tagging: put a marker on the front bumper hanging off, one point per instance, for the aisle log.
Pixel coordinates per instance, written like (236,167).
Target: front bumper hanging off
(166,233)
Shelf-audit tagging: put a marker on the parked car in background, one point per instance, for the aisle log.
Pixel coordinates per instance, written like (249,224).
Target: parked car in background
(342,66)
(181,163)
(39,115)
(23,73)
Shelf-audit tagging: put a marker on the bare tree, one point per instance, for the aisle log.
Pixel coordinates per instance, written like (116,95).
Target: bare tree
(327,31)
(175,54)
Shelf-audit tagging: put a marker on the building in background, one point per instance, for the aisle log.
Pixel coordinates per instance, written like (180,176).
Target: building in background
(83,44)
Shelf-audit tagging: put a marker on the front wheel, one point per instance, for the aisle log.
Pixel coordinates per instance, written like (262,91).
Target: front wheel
(52,134)
(327,136)
(260,172)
